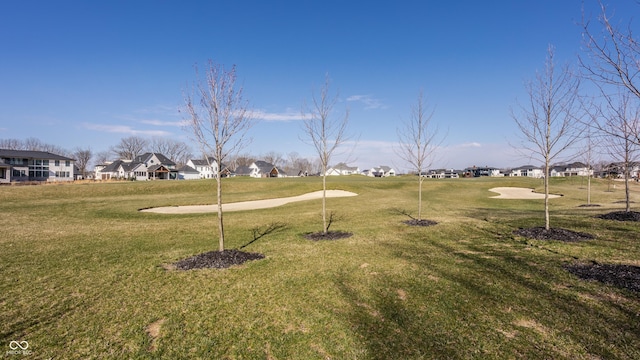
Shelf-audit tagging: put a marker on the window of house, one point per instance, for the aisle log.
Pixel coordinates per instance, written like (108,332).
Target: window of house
(67,163)
(57,162)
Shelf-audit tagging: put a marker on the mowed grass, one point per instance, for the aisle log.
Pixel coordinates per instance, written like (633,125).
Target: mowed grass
(84,273)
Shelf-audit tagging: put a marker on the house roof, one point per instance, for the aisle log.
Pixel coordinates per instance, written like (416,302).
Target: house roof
(113,167)
(203,162)
(243,170)
(264,166)
(343,166)
(188,170)
(6,153)
(144,158)
(527,167)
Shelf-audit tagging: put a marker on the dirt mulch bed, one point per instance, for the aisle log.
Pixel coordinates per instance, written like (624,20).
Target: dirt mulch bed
(217,260)
(621,216)
(589,205)
(540,233)
(623,276)
(330,235)
(422,222)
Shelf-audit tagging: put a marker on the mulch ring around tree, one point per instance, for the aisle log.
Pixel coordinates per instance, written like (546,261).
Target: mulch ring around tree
(216,260)
(329,235)
(621,216)
(622,276)
(422,222)
(540,233)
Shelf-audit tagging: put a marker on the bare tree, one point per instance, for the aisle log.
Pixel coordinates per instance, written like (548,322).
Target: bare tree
(273,157)
(218,118)
(550,124)
(237,160)
(35,144)
(613,55)
(10,144)
(175,150)
(325,133)
(417,142)
(82,157)
(103,157)
(620,124)
(130,147)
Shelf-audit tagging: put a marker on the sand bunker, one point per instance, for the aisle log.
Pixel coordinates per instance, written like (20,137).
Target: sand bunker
(247,205)
(518,193)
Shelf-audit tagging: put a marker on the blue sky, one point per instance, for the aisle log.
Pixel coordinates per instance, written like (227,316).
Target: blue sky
(88,73)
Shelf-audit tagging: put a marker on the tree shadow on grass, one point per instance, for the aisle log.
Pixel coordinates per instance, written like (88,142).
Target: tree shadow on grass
(483,300)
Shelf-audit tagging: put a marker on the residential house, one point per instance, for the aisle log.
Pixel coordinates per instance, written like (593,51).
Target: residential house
(260,169)
(342,169)
(188,173)
(573,169)
(381,171)
(527,171)
(24,165)
(148,166)
(208,168)
(442,174)
(482,171)
(617,170)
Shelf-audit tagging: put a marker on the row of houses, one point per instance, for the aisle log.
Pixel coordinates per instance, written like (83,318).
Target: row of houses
(151,166)
(22,165)
(573,169)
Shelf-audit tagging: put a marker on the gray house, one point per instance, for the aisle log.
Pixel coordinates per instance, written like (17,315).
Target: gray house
(25,165)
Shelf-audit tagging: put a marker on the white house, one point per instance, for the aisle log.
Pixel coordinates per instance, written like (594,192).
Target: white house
(148,166)
(260,169)
(342,169)
(573,169)
(24,165)
(528,171)
(381,171)
(206,168)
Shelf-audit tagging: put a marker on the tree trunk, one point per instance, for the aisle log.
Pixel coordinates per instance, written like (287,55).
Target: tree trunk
(626,189)
(588,186)
(419,196)
(324,200)
(220,223)
(547,225)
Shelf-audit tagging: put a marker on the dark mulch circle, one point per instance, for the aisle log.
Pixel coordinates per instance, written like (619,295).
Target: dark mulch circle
(540,233)
(330,235)
(589,205)
(621,216)
(623,276)
(217,260)
(422,222)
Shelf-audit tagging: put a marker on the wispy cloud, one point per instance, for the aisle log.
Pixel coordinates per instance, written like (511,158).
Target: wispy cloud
(156,122)
(288,115)
(124,129)
(470,145)
(369,101)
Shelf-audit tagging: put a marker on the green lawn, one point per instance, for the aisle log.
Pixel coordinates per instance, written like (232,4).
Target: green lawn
(84,273)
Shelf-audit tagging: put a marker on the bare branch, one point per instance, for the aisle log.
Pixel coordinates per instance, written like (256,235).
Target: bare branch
(218,118)
(325,133)
(552,122)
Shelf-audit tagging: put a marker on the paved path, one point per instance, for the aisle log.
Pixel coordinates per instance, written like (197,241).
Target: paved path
(518,193)
(248,205)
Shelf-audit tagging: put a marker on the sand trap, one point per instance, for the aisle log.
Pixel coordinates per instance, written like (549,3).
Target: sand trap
(518,193)
(248,205)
